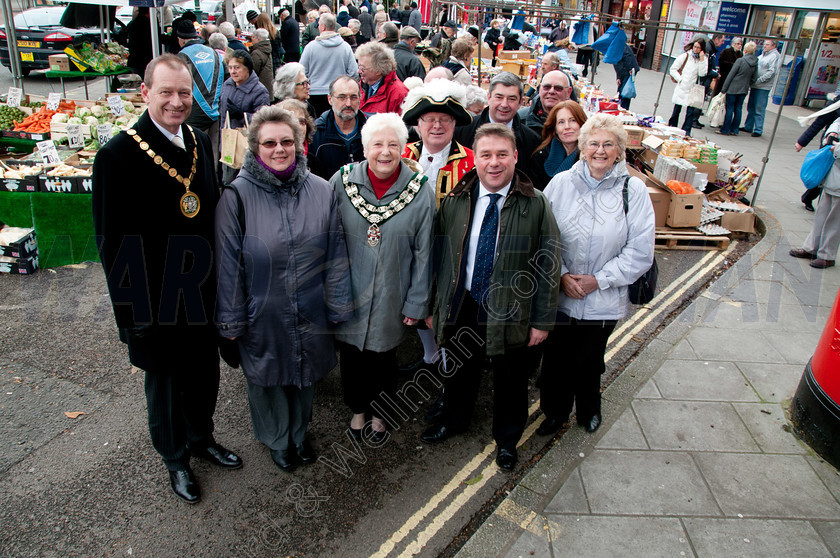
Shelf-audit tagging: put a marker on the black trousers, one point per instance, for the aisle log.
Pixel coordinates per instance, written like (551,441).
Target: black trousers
(365,375)
(573,362)
(466,351)
(181,400)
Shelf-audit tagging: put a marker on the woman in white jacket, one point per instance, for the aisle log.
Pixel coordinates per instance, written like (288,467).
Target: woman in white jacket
(686,70)
(604,250)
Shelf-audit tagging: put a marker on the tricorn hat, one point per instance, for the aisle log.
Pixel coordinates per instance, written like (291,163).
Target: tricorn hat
(439,95)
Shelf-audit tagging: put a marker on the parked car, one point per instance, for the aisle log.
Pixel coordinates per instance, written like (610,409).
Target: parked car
(40,35)
(125,13)
(211,10)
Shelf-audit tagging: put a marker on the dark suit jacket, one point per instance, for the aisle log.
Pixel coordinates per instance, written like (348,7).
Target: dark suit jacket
(526,139)
(158,263)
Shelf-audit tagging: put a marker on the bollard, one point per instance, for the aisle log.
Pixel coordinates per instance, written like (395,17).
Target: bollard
(815,409)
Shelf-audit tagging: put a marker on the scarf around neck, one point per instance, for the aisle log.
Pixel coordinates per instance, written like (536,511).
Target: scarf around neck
(557,160)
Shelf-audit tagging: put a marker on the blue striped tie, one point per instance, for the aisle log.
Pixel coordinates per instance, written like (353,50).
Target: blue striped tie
(485,251)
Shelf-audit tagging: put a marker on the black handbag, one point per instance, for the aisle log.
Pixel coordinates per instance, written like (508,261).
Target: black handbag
(642,290)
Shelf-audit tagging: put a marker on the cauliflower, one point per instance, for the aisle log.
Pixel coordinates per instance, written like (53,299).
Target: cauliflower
(59,117)
(74,120)
(128,106)
(82,112)
(97,110)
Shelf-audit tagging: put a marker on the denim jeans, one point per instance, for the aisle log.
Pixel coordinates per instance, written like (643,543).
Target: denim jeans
(732,118)
(756,105)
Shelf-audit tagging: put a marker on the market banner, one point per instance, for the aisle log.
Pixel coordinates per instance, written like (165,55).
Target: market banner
(824,79)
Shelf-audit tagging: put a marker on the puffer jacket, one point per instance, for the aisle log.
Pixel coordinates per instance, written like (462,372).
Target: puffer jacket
(248,98)
(599,240)
(295,280)
(263,63)
(529,243)
(742,74)
(388,98)
(768,64)
(694,68)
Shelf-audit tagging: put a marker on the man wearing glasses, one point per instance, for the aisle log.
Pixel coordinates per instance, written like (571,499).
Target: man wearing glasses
(338,134)
(555,87)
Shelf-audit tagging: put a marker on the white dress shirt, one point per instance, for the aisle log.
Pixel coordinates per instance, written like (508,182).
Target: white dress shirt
(480,208)
(433,162)
(166,133)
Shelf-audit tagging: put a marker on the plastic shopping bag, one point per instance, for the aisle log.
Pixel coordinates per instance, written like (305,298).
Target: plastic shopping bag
(629,89)
(815,167)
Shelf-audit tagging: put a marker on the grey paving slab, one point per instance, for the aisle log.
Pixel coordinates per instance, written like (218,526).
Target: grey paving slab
(494,535)
(704,380)
(645,483)
(827,473)
(617,536)
(830,532)
(796,348)
(570,498)
(761,291)
(720,344)
(692,426)
(683,351)
(767,317)
(769,427)
(761,485)
(773,382)
(625,433)
(754,538)
(649,391)
(530,545)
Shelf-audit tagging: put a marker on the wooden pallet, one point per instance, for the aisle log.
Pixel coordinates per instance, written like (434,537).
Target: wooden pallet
(688,239)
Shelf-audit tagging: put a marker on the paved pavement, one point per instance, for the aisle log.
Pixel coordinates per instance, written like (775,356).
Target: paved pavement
(696,456)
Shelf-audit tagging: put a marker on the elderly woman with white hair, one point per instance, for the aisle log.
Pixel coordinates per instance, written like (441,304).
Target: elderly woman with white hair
(475,100)
(382,90)
(605,249)
(387,211)
(290,82)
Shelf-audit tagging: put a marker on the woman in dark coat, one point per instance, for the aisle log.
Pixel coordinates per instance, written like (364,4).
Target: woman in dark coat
(559,148)
(284,281)
(736,87)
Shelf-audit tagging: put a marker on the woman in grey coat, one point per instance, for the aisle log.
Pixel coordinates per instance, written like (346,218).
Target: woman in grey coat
(387,210)
(736,87)
(284,281)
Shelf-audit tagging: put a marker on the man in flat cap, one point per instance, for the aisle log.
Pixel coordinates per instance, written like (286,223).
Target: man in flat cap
(407,62)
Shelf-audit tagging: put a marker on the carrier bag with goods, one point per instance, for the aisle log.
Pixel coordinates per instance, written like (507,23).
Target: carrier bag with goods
(234,144)
(815,167)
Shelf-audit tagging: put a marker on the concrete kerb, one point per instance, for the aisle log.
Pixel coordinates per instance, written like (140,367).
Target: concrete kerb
(539,486)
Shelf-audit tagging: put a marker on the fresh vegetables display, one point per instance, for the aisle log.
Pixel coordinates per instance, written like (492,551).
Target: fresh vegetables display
(39,122)
(8,116)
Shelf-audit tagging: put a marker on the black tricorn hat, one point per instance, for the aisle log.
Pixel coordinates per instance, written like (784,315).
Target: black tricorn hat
(437,96)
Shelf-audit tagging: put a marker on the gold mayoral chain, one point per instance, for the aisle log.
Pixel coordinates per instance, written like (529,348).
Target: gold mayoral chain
(377,214)
(189,201)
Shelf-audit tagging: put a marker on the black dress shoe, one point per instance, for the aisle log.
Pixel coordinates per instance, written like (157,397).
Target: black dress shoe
(284,459)
(593,423)
(698,125)
(413,367)
(755,135)
(185,486)
(506,459)
(436,434)
(305,453)
(377,437)
(218,455)
(355,433)
(802,253)
(550,426)
(820,263)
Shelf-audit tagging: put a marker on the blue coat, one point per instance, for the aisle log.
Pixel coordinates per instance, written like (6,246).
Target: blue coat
(295,282)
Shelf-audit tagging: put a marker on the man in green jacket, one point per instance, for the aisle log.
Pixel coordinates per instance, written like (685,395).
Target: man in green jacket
(497,269)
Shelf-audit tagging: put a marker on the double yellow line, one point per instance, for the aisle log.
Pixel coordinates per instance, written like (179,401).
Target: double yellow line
(621,336)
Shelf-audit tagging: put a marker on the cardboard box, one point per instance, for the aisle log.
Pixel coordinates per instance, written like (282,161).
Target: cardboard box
(59,63)
(659,198)
(635,135)
(649,156)
(684,210)
(512,66)
(515,55)
(21,266)
(709,170)
(24,247)
(736,221)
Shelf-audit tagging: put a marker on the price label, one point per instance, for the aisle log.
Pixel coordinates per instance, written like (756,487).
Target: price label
(103,133)
(116,104)
(13,98)
(48,153)
(75,139)
(53,101)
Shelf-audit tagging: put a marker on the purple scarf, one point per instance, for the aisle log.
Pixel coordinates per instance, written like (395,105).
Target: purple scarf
(282,175)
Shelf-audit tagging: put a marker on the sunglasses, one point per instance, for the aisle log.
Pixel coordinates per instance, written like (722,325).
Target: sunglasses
(558,88)
(271,144)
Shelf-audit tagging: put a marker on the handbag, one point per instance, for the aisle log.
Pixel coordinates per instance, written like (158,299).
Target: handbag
(716,110)
(233,144)
(696,95)
(816,165)
(629,89)
(680,70)
(642,290)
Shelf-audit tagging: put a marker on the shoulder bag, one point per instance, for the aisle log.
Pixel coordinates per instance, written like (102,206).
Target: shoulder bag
(642,290)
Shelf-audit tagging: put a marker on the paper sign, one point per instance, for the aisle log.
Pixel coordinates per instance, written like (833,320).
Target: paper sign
(48,153)
(103,133)
(75,139)
(13,98)
(53,101)
(116,104)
